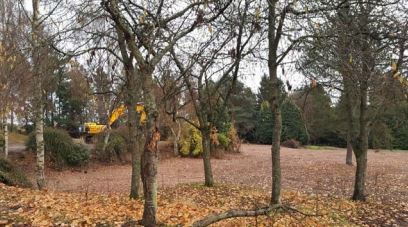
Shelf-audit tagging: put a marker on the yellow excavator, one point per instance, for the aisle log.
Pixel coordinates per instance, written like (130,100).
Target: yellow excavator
(91,129)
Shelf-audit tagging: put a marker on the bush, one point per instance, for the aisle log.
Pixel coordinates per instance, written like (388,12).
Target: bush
(78,156)
(116,146)
(291,143)
(224,141)
(11,176)
(191,142)
(235,142)
(185,147)
(60,148)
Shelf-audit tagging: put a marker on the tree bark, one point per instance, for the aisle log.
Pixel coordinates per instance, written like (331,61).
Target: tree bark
(12,121)
(38,98)
(106,141)
(39,138)
(273,42)
(349,154)
(359,183)
(176,135)
(149,177)
(206,142)
(6,141)
(133,147)
(150,153)
(133,122)
(350,119)
(276,169)
(361,145)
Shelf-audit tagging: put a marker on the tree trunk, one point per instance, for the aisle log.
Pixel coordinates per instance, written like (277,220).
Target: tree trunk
(150,153)
(175,148)
(149,177)
(276,169)
(350,119)
(133,148)
(38,97)
(349,155)
(176,135)
(39,138)
(206,142)
(11,121)
(6,148)
(273,42)
(361,146)
(2,132)
(133,122)
(106,141)
(359,183)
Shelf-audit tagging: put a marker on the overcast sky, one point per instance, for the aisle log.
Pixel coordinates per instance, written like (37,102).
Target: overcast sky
(251,73)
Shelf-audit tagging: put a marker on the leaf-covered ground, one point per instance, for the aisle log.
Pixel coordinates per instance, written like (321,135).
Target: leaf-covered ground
(182,205)
(311,172)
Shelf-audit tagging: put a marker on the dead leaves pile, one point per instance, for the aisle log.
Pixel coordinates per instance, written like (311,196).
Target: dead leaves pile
(181,205)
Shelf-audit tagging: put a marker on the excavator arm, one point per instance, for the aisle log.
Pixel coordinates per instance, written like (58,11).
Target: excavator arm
(92,128)
(118,112)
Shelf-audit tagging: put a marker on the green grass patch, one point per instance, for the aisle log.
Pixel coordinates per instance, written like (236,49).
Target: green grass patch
(316,147)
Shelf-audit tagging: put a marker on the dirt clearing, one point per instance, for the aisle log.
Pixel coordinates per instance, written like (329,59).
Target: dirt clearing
(311,171)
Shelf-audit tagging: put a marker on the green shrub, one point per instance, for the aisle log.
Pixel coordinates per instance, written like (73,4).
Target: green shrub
(78,156)
(60,148)
(185,147)
(116,147)
(191,142)
(224,140)
(11,176)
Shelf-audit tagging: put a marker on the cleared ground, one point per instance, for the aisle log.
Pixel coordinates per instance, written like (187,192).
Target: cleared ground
(311,171)
(321,174)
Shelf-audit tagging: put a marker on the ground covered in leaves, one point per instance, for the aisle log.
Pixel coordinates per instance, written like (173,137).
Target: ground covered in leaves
(311,173)
(180,205)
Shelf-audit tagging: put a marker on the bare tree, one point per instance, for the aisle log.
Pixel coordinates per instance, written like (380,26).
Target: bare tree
(206,71)
(348,54)
(149,32)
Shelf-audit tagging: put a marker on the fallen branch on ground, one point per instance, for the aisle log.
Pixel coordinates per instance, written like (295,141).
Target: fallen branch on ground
(234,214)
(211,219)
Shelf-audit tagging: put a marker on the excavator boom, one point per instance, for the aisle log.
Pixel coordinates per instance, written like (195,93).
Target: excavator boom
(92,128)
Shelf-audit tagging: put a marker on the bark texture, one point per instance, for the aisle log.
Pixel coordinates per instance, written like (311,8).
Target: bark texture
(206,142)
(176,134)
(38,97)
(6,141)
(273,42)
(361,145)
(150,153)
(349,154)
(276,169)
(133,148)
(135,138)
(359,183)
